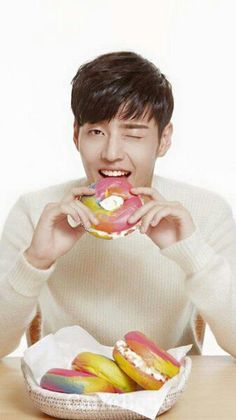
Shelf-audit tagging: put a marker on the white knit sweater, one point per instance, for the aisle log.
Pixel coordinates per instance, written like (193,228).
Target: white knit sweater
(111,287)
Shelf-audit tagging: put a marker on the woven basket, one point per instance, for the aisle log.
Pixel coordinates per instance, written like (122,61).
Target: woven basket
(74,406)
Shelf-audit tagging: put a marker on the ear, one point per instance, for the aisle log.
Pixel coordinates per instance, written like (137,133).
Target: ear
(165,140)
(76,134)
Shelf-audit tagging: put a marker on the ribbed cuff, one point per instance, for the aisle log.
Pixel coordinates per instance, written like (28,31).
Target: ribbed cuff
(191,254)
(26,279)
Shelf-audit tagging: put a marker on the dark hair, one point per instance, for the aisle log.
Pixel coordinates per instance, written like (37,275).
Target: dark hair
(125,78)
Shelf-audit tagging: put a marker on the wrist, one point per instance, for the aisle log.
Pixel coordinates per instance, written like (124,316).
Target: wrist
(36,262)
(192,254)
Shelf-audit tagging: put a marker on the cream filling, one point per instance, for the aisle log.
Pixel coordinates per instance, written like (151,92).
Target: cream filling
(112,202)
(113,235)
(138,361)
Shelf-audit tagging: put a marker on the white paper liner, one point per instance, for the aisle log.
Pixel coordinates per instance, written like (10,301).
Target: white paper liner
(59,349)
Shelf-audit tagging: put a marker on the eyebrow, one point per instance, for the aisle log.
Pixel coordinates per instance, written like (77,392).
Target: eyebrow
(130,125)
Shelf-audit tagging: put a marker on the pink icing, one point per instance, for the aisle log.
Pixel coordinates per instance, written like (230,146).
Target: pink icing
(141,338)
(118,182)
(68,372)
(116,221)
(53,387)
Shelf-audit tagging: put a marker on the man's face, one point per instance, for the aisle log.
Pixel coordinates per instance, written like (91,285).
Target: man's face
(127,146)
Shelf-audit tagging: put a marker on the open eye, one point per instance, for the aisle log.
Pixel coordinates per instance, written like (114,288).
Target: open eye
(95,132)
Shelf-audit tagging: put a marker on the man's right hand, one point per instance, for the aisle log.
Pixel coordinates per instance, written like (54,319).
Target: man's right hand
(53,236)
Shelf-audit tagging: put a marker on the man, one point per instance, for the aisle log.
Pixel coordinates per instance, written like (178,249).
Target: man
(181,264)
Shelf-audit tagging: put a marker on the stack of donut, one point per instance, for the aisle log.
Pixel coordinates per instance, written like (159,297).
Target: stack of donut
(138,364)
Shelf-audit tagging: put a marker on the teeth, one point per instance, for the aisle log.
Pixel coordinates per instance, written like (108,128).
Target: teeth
(114,173)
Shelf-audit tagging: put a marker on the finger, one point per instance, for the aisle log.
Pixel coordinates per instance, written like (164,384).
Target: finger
(62,210)
(175,213)
(141,211)
(90,215)
(150,216)
(75,193)
(84,218)
(147,219)
(72,222)
(58,213)
(151,192)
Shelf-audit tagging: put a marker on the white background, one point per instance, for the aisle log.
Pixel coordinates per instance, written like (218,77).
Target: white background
(43,43)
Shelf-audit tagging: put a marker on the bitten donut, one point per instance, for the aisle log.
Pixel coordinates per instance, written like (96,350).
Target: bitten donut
(112,204)
(144,361)
(73,382)
(104,368)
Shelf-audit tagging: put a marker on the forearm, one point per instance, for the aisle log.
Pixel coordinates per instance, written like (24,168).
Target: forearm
(16,313)
(36,262)
(210,285)
(19,292)
(213,293)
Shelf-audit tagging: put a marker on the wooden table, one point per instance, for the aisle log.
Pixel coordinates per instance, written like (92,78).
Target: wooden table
(210,392)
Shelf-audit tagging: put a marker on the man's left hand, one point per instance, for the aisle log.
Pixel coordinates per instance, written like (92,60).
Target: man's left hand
(165,222)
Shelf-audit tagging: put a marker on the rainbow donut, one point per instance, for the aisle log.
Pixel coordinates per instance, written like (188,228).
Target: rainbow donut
(112,204)
(74,382)
(145,362)
(106,368)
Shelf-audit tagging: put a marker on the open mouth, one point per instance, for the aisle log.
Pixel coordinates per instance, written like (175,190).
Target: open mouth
(117,173)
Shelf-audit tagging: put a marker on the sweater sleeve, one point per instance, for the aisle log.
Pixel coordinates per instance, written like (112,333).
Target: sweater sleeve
(20,282)
(209,265)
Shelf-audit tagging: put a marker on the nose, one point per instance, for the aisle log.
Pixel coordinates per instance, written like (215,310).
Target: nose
(112,149)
